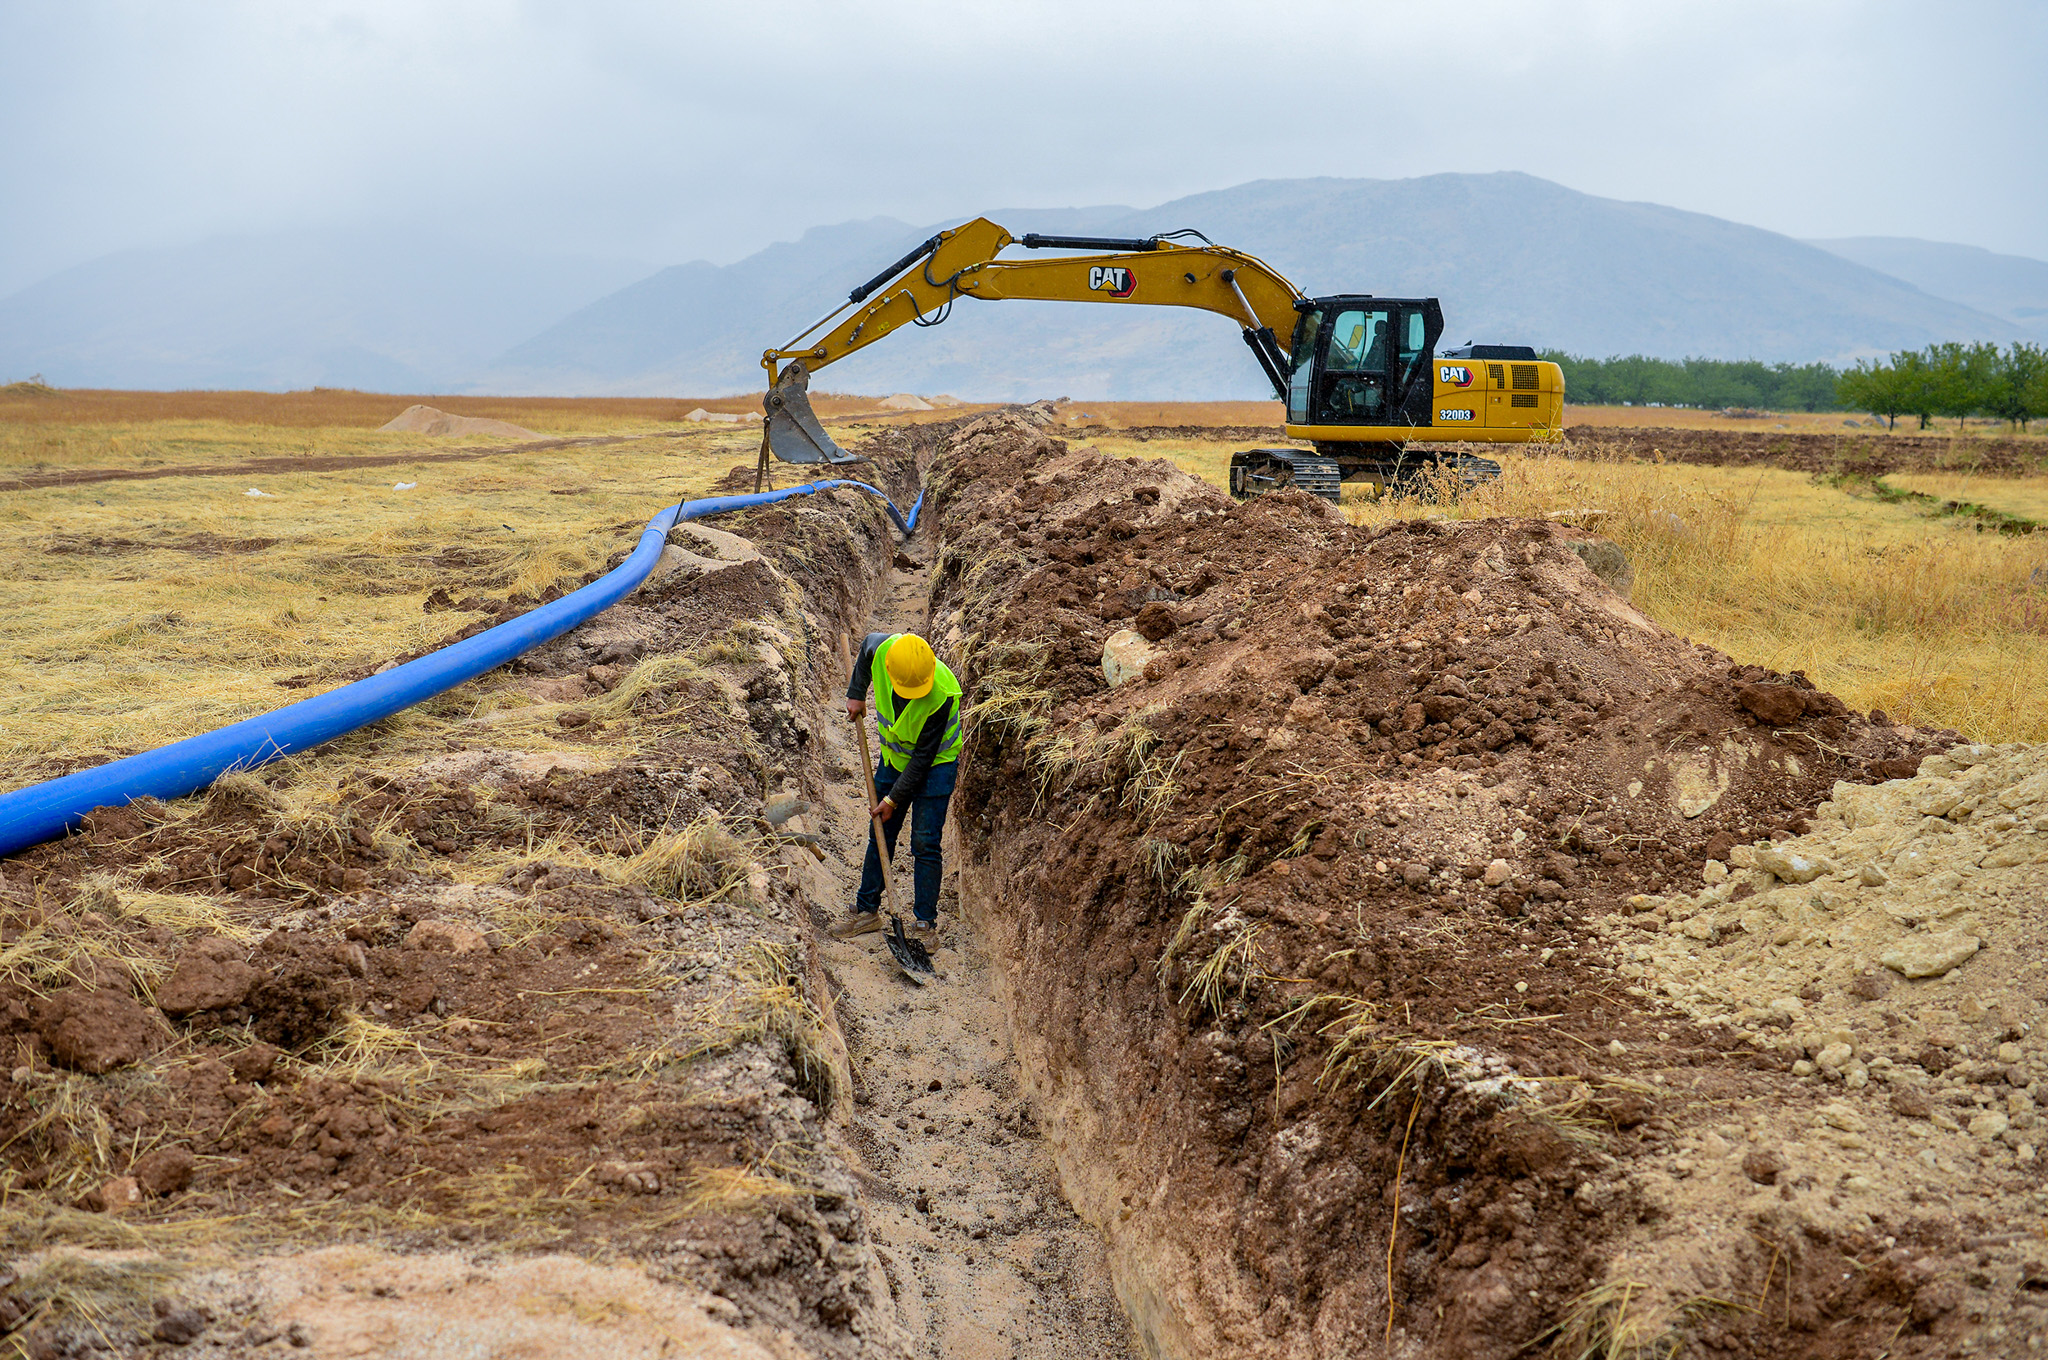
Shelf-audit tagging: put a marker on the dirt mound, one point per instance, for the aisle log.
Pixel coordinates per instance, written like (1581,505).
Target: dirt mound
(905,401)
(426,420)
(1869,454)
(1301,925)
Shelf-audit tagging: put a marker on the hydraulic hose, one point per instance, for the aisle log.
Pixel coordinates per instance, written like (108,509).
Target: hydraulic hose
(44,811)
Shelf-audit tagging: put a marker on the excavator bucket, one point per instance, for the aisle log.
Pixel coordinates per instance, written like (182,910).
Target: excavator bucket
(794,434)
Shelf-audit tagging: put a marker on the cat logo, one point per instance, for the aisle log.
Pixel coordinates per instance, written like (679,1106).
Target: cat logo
(1457,375)
(1112,279)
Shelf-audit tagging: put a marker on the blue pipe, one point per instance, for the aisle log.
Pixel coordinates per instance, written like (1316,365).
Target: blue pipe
(47,810)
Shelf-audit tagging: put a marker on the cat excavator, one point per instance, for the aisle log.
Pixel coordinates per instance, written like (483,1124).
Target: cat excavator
(1364,385)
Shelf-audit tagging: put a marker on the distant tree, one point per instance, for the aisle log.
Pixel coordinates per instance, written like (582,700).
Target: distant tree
(1963,378)
(1639,380)
(2019,379)
(1883,389)
(2036,391)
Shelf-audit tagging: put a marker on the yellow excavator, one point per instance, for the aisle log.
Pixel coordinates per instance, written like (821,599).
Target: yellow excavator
(1360,375)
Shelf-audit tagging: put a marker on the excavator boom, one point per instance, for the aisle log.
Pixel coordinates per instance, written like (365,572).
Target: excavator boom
(920,289)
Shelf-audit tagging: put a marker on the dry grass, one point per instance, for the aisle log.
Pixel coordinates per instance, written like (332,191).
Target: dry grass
(1924,618)
(134,613)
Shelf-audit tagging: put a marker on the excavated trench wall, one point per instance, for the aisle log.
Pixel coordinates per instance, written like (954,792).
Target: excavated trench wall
(1293,921)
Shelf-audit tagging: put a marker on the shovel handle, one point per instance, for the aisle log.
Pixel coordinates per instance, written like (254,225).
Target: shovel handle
(867,768)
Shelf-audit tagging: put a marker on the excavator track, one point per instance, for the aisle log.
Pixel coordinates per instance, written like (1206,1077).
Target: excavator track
(1255,471)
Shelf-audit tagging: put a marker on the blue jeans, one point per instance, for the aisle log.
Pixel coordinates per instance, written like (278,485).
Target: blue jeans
(927,813)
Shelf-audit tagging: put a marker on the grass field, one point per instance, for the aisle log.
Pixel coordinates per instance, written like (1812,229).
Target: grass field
(1923,617)
(135,612)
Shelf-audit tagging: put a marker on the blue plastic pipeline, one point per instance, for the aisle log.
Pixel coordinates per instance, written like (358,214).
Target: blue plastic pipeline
(43,811)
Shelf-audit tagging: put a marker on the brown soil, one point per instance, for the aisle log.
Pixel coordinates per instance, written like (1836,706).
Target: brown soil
(373,1043)
(790,1151)
(1306,921)
(1871,453)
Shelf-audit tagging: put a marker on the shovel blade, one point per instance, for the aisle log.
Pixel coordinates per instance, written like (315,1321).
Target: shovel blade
(911,955)
(794,434)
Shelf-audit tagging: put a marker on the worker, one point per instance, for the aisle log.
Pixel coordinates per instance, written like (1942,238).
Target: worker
(917,712)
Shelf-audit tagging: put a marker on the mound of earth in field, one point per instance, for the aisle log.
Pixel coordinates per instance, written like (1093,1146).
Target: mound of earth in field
(1305,928)
(1870,454)
(905,401)
(417,419)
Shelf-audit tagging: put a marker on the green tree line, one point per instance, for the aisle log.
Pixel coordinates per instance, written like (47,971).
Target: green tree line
(1952,380)
(1956,380)
(1637,380)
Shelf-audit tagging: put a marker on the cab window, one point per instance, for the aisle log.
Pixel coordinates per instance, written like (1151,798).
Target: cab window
(1358,343)
(1302,366)
(1352,383)
(1414,340)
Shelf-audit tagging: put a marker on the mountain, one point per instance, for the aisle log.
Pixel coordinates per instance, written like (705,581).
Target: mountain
(386,311)
(2011,286)
(1515,259)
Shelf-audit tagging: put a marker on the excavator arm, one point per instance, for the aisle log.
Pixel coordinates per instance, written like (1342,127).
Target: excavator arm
(921,288)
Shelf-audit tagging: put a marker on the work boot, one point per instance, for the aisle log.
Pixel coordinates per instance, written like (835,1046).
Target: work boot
(860,923)
(924,930)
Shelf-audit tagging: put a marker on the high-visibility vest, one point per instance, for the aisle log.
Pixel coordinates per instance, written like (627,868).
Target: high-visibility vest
(902,721)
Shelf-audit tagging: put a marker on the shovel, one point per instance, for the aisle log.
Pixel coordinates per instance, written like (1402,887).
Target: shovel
(913,960)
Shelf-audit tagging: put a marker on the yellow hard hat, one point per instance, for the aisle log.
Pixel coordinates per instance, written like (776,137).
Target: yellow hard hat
(910,665)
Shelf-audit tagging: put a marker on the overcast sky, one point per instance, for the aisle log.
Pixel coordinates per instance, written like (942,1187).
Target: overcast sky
(665,132)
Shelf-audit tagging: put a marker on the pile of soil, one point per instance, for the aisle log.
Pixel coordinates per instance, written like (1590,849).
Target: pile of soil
(427,420)
(1306,916)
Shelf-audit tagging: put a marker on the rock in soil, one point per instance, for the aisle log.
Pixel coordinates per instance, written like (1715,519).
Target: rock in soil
(96,1031)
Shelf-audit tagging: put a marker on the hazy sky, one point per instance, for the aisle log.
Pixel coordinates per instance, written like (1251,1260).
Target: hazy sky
(670,131)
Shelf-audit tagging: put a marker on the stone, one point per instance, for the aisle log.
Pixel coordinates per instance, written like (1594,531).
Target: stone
(1918,956)
(1834,1055)
(1792,868)
(210,975)
(1908,1103)
(1841,1116)
(178,1326)
(2010,1053)
(447,937)
(1497,873)
(1125,655)
(1869,986)
(1989,1125)
(96,1031)
(1764,1165)
(1776,705)
(1714,871)
(1870,876)
(255,1062)
(1415,874)
(165,1171)
(1156,622)
(119,1195)
(1606,560)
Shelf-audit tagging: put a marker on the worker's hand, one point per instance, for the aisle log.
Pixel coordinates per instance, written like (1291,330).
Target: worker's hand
(883,810)
(856,709)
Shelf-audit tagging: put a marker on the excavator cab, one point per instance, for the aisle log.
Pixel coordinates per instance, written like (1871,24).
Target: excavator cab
(1362,360)
(1361,384)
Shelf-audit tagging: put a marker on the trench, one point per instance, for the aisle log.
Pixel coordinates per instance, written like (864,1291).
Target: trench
(982,1254)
